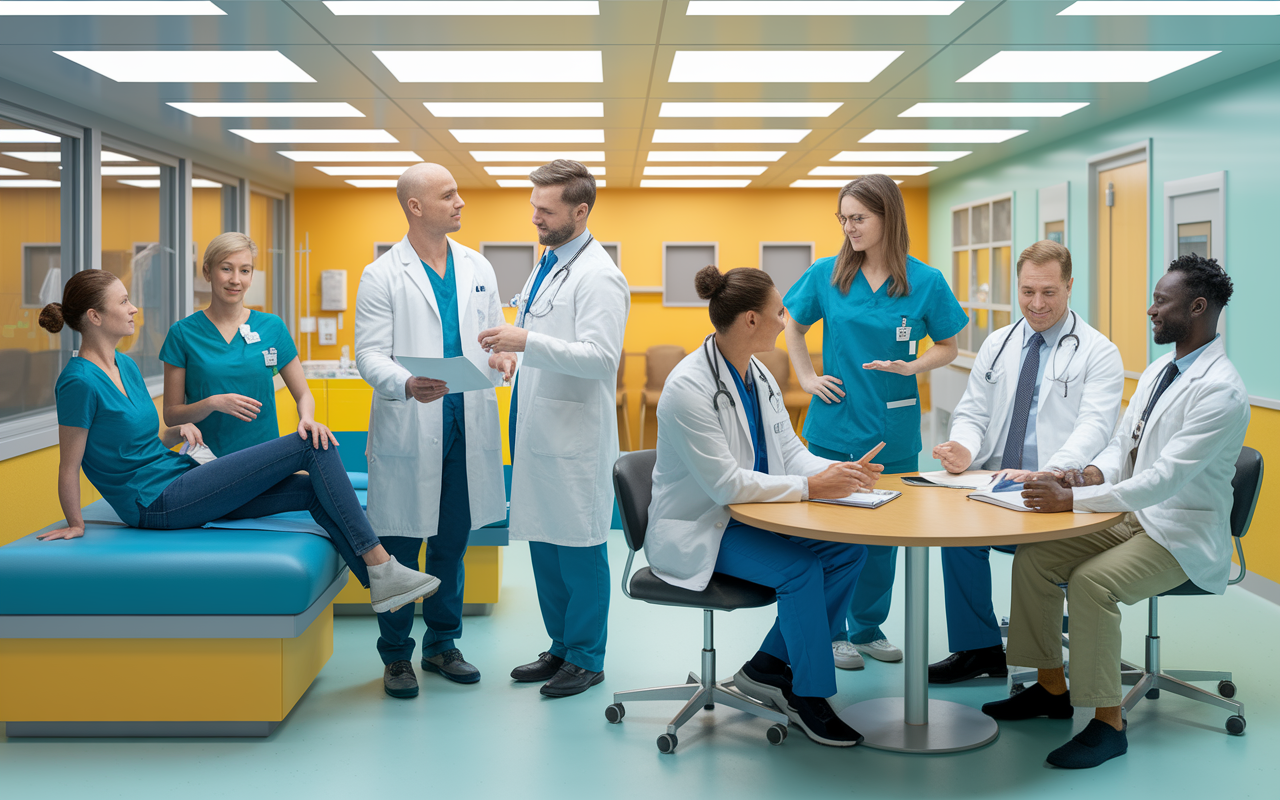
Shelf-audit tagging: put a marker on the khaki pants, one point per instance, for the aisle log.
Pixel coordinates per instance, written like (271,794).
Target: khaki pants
(1121,564)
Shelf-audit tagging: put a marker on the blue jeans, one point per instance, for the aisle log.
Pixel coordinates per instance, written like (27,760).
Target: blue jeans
(573,593)
(441,611)
(870,605)
(814,581)
(260,481)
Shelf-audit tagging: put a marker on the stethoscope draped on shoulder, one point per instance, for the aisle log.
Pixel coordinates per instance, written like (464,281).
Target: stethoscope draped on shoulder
(721,389)
(548,293)
(1064,375)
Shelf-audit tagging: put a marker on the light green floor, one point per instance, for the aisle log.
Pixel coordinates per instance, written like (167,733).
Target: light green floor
(499,739)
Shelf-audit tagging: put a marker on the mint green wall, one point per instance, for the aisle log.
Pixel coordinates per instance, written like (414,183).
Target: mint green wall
(1232,126)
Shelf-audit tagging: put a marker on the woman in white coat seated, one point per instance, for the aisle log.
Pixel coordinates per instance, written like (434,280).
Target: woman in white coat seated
(725,437)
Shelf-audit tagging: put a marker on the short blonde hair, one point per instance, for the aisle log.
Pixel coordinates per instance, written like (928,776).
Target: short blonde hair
(1045,251)
(224,245)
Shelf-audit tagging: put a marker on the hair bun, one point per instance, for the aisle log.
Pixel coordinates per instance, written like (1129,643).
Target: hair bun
(51,317)
(709,282)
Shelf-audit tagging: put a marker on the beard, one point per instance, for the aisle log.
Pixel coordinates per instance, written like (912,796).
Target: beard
(1171,331)
(555,237)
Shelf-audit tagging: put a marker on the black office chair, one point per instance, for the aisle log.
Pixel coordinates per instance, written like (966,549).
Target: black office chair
(633,483)
(1148,681)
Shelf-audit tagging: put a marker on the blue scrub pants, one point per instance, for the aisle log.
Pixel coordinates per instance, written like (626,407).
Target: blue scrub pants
(442,611)
(573,592)
(966,581)
(870,605)
(814,580)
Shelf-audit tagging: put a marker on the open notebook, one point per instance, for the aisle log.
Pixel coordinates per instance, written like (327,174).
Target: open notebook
(1006,494)
(872,499)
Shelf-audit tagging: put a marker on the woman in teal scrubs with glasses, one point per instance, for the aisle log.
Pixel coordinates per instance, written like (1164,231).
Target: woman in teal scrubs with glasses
(220,363)
(877,303)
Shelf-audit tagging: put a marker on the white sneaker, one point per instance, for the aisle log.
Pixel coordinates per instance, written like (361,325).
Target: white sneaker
(880,650)
(847,656)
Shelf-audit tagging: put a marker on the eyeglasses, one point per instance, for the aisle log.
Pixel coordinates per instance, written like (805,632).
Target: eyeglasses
(857,219)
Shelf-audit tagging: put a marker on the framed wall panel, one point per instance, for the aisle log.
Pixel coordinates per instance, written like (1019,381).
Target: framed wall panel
(785,262)
(680,262)
(512,262)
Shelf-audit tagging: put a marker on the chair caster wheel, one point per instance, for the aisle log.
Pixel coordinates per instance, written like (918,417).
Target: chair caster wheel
(614,713)
(667,743)
(1235,725)
(1153,694)
(1227,689)
(777,734)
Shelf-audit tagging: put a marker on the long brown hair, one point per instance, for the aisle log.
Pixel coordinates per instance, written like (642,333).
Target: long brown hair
(881,197)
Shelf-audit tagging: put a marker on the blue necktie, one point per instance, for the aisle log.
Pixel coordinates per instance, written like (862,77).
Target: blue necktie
(1016,443)
(544,269)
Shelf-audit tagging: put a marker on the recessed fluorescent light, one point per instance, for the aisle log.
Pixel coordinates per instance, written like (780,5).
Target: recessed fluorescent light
(551,110)
(1198,8)
(340,171)
(142,184)
(377,183)
(493,66)
(917,136)
(512,183)
(542,156)
(1083,66)
(316,136)
(11,172)
(900,155)
(107,155)
(719,171)
(821,8)
(693,184)
(140,170)
(33,184)
(748,109)
(111,8)
(853,172)
(268,109)
(53,156)
(777,66)
(203,183)
(716,155)
(992,109)
(750,136)
(351,155)
(190,66)
(515,136)
(27,136)
(597,171)
(464,8)
(809,183)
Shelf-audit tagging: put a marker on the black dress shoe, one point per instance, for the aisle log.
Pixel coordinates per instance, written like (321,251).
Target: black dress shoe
(1033,701)
(570,680)
(543,669)
(969,664)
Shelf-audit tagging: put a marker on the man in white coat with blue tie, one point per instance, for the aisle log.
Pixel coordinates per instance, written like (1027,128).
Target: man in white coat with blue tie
(564,436)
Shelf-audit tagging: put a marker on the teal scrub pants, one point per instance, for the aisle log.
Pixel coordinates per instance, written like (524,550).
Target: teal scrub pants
(871,597)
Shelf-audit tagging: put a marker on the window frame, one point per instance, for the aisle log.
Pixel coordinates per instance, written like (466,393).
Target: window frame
(971,248)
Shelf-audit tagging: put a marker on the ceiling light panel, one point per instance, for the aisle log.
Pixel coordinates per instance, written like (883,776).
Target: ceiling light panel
(1151,8)
(705,171)
(31,184)
(343,171)
(190,66)
(853,172)
(493,66)
(464,8)
(239,110)
(351,155)
(140,170)
(779,66)
(377,183)
(821,8)
(761,110)
(111,8)
(541,156)
(716,155)
(11,172)
(316,136)
(536,136)
(992,109)
(141,184)
(597,171)
(53,156)
(27,136)
(516,110)
(746,136)
(204,183)
(1083,66)
(916,136)
(900,155)
(512,183)
(693,184)
(818,183)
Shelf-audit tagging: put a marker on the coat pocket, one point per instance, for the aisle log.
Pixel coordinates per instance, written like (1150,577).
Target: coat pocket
(393,428)
(556,428)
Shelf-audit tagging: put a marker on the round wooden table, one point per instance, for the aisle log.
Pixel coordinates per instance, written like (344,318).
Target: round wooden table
(923,517)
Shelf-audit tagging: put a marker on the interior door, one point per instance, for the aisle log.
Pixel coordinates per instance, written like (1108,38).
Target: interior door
(1123,296)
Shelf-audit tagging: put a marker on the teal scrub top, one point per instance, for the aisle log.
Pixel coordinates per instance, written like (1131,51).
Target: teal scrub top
(216,366)
(124,458)
(862,326)
(446,290)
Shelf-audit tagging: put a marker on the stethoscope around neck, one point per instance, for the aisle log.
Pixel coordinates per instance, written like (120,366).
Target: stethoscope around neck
(721,389)
(1064,377)
(561,273)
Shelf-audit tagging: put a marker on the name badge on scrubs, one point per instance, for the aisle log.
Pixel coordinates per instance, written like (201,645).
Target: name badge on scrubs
(249,336)
(904,334)
(269,356)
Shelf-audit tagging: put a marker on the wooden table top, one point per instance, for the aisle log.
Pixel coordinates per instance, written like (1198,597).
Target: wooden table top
(922,517)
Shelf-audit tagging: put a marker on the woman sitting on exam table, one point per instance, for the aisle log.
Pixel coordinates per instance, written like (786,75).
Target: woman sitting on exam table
(220,363)
(107,424)
(725,437)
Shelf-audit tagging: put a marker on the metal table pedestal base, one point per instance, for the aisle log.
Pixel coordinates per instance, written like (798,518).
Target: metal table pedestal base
(952,727)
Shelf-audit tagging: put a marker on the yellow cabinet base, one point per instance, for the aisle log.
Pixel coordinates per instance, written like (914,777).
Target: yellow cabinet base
(483,566)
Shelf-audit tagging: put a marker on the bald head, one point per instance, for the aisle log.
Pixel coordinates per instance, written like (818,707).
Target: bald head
(428,194)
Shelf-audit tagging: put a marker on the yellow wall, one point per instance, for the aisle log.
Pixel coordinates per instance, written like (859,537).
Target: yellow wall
(27,216)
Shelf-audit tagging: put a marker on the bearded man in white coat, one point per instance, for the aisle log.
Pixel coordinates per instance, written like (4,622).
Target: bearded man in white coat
(1169,466)
(564,435)
(435,458)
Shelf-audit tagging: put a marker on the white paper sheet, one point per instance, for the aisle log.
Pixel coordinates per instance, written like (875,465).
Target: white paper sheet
(458,372)
(973,479)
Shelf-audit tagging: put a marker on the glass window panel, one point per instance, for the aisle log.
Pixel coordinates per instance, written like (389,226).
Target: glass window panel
(265,226)
(960,227)
(1055,231)
(982,280)
(981,224)
(1001,276)
(30,271)
(1195,237)
(981,328)
(1002,223)
(963,338)
(207,221)
(999,319)
(960,275)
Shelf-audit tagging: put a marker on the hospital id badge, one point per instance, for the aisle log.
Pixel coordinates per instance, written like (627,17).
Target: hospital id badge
(252,338)
(904,334)
(269,356)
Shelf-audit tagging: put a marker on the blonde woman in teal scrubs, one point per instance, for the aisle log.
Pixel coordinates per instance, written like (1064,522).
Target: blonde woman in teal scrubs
(220,363)
(877,303)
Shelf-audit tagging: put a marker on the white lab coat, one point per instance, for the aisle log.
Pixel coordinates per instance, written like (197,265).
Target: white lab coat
(1070,430)
(566,425)
(1180,486)
(706,462)
(397,315)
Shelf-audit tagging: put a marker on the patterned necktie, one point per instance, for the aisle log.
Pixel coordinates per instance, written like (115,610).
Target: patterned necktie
(1014,445)
(1166,378)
